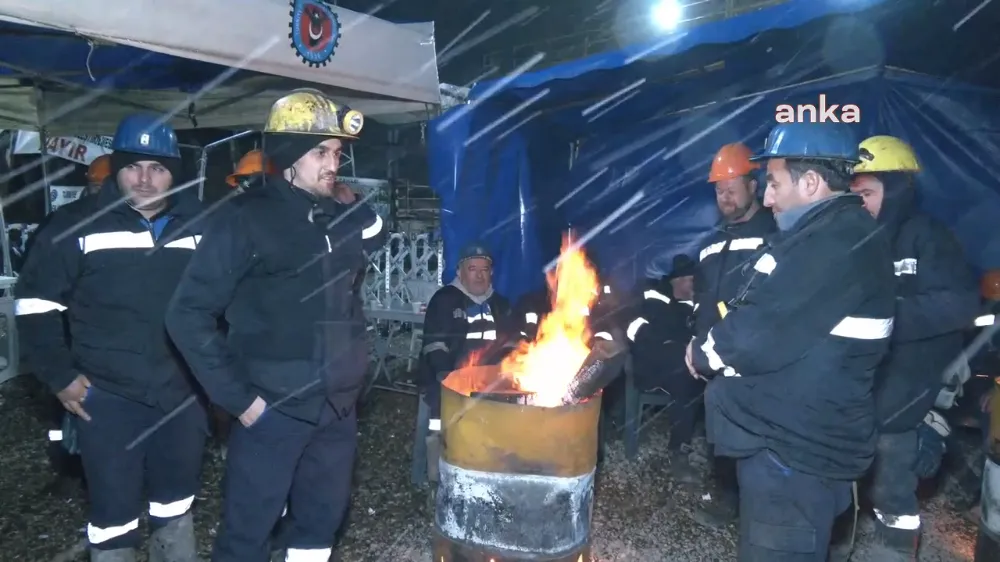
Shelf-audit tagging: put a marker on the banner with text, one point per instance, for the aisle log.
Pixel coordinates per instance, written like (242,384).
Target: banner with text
(61,195)
(81,150)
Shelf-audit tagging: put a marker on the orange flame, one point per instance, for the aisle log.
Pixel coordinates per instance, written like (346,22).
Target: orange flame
(546,366)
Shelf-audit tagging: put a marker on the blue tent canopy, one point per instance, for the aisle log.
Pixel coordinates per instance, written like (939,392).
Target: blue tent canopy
(635,130)
(33,53)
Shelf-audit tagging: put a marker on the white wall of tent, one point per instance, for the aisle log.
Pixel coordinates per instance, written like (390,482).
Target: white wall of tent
(387,71)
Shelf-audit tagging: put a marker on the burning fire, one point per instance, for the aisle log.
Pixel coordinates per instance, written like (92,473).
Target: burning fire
(547,366)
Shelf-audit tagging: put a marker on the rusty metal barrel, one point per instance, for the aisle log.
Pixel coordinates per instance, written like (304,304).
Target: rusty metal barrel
(516,481)
(988,540)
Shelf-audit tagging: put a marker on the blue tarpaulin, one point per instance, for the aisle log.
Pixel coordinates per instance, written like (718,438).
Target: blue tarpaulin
(641,125)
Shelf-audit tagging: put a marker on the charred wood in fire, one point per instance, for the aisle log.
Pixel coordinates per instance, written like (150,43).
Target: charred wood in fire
(506,396)
(605,362)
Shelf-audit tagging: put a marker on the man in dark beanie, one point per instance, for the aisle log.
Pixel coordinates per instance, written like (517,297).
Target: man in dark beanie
(660,333)
(111,262)
(279,262)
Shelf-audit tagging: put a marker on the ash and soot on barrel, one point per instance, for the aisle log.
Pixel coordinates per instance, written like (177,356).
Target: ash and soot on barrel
(519,439)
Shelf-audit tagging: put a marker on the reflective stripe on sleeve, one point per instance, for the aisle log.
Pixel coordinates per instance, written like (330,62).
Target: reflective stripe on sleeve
(905,266)
(765,264)
(603,336)
(633,327)
(531,318)
(36,306)
(372,230)
(863,328)
(656,295)
(97,535)
(714,361)
(986,320)
(487,335)
(172,509)
(737,244)
(186,243)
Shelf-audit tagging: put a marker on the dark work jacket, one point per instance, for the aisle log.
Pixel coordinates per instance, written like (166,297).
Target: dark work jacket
(456,326)
(795,360)
(721,261)
(113,273)
(459,331)
(660,332)
(937,298)
(280,264)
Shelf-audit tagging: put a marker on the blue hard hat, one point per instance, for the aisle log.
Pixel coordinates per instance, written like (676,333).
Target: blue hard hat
(146,133)
(815,141)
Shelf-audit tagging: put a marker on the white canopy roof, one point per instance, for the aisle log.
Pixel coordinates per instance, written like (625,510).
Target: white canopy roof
(388,71)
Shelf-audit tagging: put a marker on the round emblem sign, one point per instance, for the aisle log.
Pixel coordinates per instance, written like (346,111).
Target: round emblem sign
(315,31)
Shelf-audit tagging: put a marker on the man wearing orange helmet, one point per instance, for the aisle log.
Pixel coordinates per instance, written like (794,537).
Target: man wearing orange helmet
(250,171)
(97,172)
(720,276)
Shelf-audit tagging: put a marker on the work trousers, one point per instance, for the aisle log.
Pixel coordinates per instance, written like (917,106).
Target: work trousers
(894,481)
(687,400)
(128,446)
(281,461)
(786,515)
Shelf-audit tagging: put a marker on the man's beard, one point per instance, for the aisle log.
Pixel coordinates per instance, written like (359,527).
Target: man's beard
(738,213)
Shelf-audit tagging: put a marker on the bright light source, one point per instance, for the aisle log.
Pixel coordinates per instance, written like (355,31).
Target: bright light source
(666,14)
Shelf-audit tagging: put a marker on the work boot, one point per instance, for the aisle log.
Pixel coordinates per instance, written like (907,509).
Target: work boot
(116,555)
(904,542)
(717,511)
(174,542)
(682,470)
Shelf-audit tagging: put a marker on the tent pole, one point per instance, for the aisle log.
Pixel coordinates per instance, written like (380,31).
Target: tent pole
(43,140)
(43,148)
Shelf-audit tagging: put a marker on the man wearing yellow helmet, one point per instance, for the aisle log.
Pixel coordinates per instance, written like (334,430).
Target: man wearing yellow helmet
(936,299)
(280,262)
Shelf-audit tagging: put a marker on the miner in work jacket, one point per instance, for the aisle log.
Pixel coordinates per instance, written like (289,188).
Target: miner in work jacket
(466,320)
(793,364)
(280,263)
(936,300)
(718,278)
(111,262)
(659,334)
(466,323)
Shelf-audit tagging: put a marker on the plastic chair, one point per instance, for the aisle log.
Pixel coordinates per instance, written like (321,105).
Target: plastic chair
(636,402)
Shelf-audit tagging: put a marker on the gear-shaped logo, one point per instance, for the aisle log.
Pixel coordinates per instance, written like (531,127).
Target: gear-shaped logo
(314,31)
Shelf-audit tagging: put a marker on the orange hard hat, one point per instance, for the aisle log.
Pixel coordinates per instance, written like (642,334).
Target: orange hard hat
(989,286)
(732,161)
(99,169)
(251,164)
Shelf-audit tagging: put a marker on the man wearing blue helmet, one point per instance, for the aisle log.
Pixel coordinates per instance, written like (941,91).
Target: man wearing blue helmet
(792,363)
(110,262)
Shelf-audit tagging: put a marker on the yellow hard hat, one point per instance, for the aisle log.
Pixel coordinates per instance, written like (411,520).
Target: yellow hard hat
(883,153)
(311,112)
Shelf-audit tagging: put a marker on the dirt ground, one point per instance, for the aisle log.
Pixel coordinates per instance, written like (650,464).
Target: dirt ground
(640,514)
